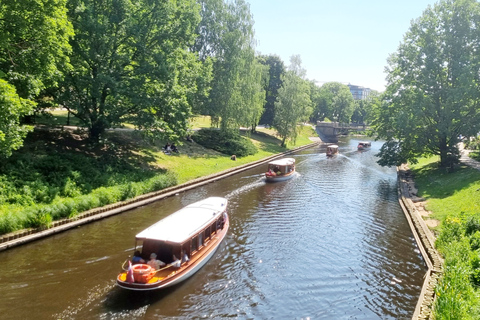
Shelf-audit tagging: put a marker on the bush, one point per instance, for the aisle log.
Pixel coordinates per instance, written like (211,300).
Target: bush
(226,142)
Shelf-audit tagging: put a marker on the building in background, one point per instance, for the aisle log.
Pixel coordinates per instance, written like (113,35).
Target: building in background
(358,92)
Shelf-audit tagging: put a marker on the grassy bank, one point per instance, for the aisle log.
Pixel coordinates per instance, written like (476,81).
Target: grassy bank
(57,174)
(454,200)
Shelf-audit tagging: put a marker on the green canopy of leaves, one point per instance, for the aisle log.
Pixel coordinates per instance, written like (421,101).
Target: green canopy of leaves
(433,85)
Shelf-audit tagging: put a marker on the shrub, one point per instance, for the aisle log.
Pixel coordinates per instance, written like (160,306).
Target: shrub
(472,224)
(226,142)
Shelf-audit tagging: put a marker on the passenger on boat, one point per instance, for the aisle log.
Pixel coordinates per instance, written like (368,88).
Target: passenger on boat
(176,262)
(185,258)
(137,258)
(154,263)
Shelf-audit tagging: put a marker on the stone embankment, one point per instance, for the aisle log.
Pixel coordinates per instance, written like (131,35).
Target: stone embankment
(420,224)
(24,236)
(414,210)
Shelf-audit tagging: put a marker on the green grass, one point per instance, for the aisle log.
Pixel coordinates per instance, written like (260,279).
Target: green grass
(57,174)
(454,199)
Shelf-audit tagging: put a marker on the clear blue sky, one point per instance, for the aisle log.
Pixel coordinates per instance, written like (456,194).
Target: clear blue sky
(347,41)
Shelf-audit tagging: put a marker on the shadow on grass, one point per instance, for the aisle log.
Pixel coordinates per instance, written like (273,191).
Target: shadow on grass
(62,163)
(437,182)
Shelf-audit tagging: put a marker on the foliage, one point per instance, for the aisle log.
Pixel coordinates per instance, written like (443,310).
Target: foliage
(473,143)
(132,64)
(336,102)
(225,141)
(293,104)
(57,176)
(226,35)
(33,49)
(276,70)
(433,85)
(34,44)
(454,200)
(12,108)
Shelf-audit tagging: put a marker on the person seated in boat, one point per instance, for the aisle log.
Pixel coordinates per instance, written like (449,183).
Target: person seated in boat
(154,263)
(137,258)
(176,262)
(270,172)
(185,258)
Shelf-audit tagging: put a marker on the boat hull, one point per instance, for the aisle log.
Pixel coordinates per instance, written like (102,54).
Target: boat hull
(279,178)
(181,274)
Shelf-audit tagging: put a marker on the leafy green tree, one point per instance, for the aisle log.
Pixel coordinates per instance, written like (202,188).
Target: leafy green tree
(226,35)
(337,101)
(319,102)
(363,108)
(275,72)
(293,104)
(433,86)
(34,48)
(12,108)
(132,64)
(249,99)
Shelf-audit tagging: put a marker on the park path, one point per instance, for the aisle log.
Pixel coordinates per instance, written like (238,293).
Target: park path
(465,159)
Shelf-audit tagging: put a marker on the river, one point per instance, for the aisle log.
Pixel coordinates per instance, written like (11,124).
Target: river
(331,243)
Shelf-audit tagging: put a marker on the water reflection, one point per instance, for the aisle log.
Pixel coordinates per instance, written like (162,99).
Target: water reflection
(331,243)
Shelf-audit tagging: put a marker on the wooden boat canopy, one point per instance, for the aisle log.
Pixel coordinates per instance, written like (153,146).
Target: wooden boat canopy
(180,226)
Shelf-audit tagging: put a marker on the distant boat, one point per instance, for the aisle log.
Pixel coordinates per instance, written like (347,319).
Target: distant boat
(184,241)
(280,170)
(332,150)
(363,145)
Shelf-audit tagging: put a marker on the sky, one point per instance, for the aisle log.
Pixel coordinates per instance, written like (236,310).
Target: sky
(347,41)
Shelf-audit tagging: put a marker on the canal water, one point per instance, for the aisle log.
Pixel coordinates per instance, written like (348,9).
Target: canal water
(331,243)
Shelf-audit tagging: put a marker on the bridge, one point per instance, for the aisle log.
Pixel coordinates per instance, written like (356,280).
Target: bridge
(329,131)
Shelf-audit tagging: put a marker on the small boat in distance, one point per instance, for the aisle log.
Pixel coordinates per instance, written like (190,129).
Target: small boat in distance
(182,242)
(332,150)
(280,170)
(363,145)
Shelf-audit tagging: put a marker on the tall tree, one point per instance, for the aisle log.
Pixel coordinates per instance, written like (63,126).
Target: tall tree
(275,71)
(433,86)
(34,48)
(132,64)
(338,101)
(319,103)
(293,104)
(226,35)
(363,108)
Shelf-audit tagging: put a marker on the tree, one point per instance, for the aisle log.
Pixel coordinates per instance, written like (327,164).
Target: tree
(319,103)
(226,35)
(33,49)
(132,64)
(338,101)
(432,94)
(12,108)
(363,108)
(275,71)
(293,104)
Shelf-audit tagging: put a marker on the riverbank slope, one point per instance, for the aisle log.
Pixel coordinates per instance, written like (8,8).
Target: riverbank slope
(192,166)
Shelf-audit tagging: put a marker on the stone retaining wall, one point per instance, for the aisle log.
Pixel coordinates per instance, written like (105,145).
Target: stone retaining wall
(425,240)
(24,236)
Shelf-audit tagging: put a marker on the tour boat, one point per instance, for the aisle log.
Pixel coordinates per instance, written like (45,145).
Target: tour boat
(280,170)
(332,150)
(363,145)
(184,241)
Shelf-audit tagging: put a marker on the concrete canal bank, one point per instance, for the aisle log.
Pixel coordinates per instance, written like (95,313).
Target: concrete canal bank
(412,208)
(14,239)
